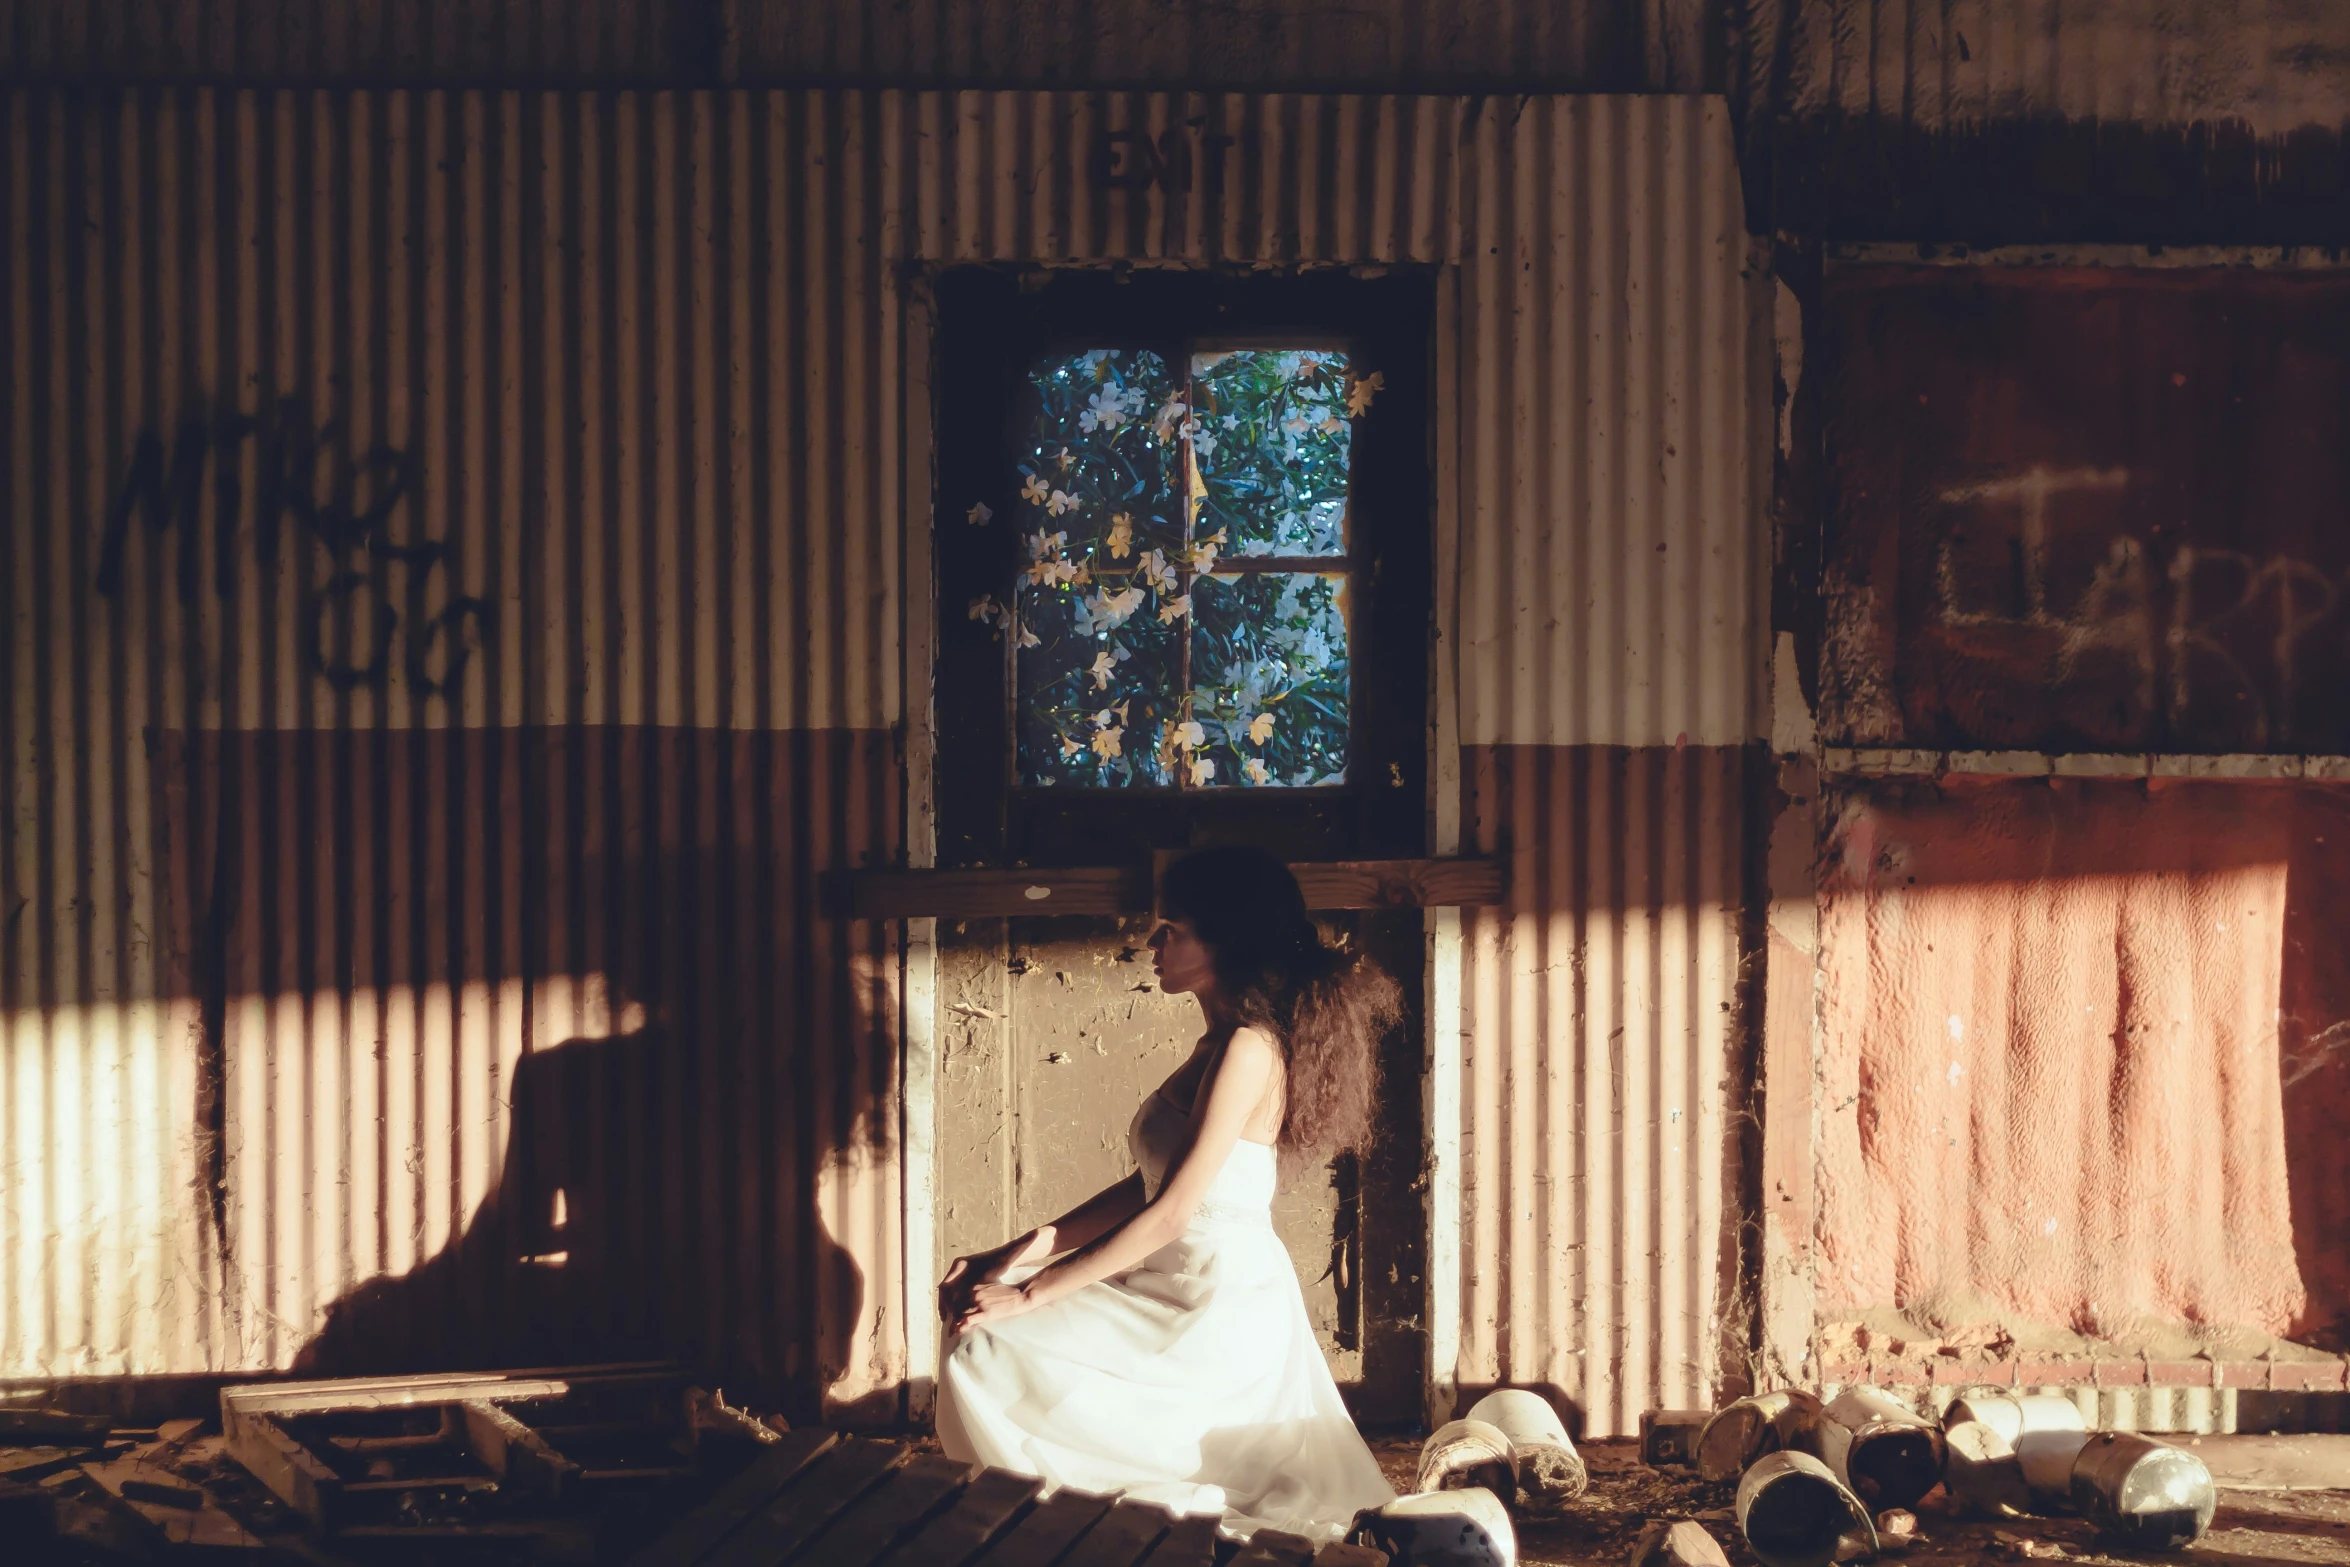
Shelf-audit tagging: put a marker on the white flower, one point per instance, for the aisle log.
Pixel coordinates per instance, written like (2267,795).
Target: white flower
(1174,609)
(985,609)
(1041,544)
(1156,572)
(1109,743)
(1069,747)
(1035,491)
(1106,717)
(1104,664)
(1260,728)
(1106,410)
(1170,418)
(1256,770)
(1190,735)
(1061,501)
(1358,401)
(1121,535)
(1202,770)
(979,515)
(1108,610)
(1029,638)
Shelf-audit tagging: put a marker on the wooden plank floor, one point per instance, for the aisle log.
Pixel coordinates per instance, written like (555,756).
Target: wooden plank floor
(838,1501)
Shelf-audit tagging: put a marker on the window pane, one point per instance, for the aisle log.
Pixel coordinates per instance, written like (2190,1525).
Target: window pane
(1269,680)
(1272,441)
(1100,656)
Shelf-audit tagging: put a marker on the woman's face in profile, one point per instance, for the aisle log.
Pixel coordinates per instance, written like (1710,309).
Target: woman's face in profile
(1181,960)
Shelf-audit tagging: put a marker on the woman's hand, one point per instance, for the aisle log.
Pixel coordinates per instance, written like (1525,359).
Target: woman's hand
(981,1268)
(991,1304)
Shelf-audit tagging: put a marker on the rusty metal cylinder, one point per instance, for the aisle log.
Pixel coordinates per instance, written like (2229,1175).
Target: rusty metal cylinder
(1741,1432)
(2011,1415)
(1894,1457)
(1794,1512)
(1550,1472)
(1468,1453)
(2152,1495)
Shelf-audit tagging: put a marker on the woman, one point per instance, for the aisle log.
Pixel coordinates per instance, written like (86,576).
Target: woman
(1153,1339)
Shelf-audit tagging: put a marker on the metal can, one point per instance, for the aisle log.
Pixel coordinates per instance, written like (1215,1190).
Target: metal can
(2154,1496)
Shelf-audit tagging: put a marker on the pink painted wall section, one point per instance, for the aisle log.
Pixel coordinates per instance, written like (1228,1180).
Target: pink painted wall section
(2080,1059)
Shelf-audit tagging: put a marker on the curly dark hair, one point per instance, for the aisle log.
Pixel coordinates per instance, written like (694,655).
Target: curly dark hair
(1327,1008)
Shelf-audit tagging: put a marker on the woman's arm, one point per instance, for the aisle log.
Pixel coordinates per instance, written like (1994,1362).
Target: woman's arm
(1105,1210)
(1246,1070)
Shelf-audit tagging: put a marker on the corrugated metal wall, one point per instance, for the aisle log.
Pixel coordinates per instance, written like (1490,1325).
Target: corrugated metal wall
(1609,633)
(453,555)
(1427,45)
(356,823)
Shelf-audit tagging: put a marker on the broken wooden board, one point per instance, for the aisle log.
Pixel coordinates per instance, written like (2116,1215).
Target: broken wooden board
(180,1512)
(475,1422)
(1189,1542)
(1049,1529)
(987,1506)
(703,1530)
(25,1465)
(51,1426)
(892,1510)
(1124,1534)
(803,1509)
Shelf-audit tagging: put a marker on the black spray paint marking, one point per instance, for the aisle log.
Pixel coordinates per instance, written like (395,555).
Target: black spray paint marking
(349,524)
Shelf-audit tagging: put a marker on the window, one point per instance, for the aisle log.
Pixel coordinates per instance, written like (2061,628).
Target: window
(1181,614)
(1165,505)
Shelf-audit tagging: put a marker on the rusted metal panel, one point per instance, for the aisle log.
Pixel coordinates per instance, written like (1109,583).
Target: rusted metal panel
(2011,121)
(1598,1015)
(1594,45)
(2267,66)
(2095,511)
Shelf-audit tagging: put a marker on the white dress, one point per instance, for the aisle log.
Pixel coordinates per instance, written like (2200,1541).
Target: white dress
(1193,1380)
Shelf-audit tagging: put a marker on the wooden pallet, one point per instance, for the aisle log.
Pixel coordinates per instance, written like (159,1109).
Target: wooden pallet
(822,1498)
(480,1431)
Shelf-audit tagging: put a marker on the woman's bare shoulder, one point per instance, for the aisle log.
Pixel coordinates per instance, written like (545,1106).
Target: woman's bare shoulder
(1253,1047)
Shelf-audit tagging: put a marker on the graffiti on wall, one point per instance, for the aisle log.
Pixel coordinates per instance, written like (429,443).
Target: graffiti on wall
(2192,633)
(2099,511)
(375,600)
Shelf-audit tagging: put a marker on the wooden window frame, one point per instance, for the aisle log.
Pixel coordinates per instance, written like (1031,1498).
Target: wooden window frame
(993,323)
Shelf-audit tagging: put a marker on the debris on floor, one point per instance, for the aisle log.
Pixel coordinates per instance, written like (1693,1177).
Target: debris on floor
(569,1464)
(1632,1507)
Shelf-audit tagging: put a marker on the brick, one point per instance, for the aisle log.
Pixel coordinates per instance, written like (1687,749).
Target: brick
(1846,1373)
(2179,1373)
(2121,1373)
(1961,1373)
(2243,1373)
(2055,1373)
(2307,1376)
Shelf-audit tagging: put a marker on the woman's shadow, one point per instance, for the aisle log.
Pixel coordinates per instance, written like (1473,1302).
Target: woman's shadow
(667,1173)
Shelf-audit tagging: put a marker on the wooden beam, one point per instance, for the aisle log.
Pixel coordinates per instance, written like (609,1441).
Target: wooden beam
(1113,890)
(514,1452)
(983,894)
(282,1463)
(1402,884)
